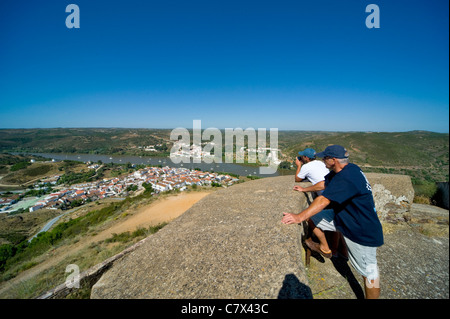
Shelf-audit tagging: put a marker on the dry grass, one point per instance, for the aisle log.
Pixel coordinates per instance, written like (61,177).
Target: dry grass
(422,199)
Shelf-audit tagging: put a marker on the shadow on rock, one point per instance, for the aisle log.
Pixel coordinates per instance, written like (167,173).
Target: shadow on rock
(293,289)
(343,268)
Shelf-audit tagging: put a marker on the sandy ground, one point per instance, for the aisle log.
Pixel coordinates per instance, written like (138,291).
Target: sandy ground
(162,210)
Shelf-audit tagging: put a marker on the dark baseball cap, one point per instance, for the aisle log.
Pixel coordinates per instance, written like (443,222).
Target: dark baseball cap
(335,151)
(308,152)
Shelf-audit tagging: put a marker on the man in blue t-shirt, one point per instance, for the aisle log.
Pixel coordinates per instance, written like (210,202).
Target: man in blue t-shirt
(351,211)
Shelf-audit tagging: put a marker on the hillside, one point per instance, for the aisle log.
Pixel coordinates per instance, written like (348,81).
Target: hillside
(81,140)
(86,237)
(420,154)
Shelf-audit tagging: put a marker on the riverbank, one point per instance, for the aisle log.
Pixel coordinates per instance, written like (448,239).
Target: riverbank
(235,168)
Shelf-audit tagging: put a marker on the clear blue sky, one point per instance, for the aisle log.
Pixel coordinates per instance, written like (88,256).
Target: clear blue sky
(302,65)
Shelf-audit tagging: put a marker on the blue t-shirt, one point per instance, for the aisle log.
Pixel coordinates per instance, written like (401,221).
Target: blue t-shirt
(351,198)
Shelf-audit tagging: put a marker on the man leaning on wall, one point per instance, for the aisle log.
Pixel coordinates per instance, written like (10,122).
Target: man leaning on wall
(351,211)
(308,168)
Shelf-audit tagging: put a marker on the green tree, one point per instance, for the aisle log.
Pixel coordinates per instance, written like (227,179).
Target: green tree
(6,252)
(132,188)
(148,188)
(285,165)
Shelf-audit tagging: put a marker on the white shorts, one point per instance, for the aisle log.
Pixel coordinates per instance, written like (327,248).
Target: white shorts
(362,258)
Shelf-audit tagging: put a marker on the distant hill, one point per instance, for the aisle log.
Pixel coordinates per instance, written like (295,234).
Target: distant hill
(420,154)
(84,140)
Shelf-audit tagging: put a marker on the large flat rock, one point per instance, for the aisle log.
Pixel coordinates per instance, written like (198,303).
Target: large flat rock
(231,244)
(393,195)
(399,186)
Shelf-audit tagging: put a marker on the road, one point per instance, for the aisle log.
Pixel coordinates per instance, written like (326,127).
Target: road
(54,220)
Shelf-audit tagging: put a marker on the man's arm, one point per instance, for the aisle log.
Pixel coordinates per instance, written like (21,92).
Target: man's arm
(299,166)
(316,206)
(314,188)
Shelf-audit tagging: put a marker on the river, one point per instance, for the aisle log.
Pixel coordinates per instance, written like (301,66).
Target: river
(241,170)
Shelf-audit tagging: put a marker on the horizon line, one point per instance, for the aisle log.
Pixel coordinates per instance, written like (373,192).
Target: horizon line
(280,130)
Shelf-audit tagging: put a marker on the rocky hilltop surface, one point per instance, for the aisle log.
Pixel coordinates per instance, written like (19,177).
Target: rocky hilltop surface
(232,244)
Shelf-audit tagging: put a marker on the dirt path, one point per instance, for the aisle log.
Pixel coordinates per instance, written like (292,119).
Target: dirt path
(163,210)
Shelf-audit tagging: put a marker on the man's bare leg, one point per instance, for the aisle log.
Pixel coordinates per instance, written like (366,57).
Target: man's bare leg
(334,238)
(372,288)
(320,236)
